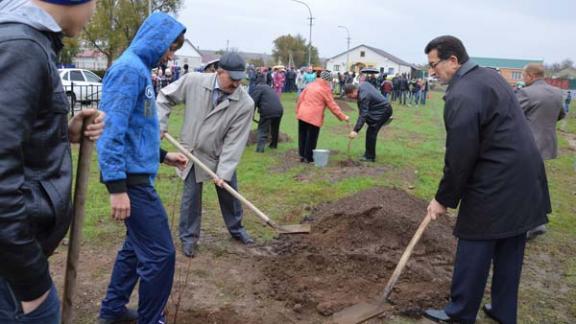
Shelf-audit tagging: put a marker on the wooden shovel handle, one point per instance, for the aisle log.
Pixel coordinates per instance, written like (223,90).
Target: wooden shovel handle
(226,186)
(80,194)
(404,259)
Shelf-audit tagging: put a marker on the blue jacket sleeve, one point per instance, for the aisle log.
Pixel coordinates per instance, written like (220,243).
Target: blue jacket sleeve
(120,93)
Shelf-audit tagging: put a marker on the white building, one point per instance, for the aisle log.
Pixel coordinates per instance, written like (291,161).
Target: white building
(90,59)
(188,54)
(363,56)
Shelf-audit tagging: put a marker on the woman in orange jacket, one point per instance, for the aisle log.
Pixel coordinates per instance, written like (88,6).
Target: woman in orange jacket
(310,114)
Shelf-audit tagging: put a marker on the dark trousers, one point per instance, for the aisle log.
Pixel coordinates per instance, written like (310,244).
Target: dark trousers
(191,209)
(307,140)
(11,308)
(372,136)
(403,94)
(270,125)
(147,254)
(471,268)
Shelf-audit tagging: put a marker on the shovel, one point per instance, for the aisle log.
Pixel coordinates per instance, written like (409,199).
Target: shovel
(80,190)
(362,312)
(282,229)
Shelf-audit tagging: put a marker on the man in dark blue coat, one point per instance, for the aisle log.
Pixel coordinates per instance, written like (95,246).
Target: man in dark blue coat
(373,110)
(494,172)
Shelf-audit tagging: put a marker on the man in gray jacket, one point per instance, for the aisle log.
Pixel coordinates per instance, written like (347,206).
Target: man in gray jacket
(542,106)
(216,126)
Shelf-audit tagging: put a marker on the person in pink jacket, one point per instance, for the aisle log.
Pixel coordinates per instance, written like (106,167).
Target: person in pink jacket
(279,78)
(310,114)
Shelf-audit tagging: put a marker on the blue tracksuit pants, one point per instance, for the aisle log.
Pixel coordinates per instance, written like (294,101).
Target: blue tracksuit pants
(147,254)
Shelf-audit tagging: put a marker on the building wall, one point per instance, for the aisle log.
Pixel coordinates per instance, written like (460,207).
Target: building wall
(193,62)
(368,59)
(188,55)
(512,76)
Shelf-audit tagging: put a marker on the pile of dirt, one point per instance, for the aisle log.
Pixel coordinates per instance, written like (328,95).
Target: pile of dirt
(225,315)
(253,137)
(353,248)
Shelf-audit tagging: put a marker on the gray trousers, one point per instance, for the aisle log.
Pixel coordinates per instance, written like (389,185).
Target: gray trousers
(191,209)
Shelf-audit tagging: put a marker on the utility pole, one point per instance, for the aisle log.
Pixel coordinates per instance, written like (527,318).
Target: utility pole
(149,7)
(348,47)
(310,35)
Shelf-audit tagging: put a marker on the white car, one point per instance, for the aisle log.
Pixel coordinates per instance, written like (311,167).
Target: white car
(81,86)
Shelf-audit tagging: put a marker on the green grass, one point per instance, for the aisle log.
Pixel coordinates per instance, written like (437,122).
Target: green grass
(411,148)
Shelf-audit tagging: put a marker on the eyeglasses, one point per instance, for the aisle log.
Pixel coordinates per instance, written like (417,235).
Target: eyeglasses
(434,65)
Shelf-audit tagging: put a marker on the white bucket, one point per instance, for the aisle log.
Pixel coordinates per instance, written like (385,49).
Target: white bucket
(320,157)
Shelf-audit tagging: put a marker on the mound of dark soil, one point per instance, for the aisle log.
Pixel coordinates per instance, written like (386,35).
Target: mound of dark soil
(225,315)
(352,251)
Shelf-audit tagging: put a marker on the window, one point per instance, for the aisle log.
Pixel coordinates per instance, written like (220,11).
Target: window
(91,77)
(517,76)
(76,76)
(390,71)
(65,76)
(336,67)
(362,53)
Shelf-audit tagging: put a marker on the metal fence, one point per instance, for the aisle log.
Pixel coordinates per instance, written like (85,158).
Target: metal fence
(82,96)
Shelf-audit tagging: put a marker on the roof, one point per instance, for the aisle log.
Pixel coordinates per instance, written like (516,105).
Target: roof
(503,62)
(567,73)
(379,52)
(209,55)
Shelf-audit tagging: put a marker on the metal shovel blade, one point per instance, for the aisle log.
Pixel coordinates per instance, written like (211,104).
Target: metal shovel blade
(358,313)
(294,229)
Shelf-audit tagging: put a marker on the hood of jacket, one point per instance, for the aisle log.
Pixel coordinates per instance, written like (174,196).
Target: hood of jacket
(154,37)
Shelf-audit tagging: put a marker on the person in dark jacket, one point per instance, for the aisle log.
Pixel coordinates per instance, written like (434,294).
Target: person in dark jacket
(396,87)
(374,110)
(270,109)
(36,164)
(269,80)
(252,75)
(129,156)
(403,89)
(290,85)
(494,173)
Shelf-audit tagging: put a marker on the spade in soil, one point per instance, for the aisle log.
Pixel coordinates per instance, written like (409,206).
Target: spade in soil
(362,312)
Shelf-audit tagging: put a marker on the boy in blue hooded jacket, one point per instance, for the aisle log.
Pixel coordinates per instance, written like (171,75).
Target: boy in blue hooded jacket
(129,155)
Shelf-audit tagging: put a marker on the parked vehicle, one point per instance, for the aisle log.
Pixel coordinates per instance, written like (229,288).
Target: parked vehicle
(81,86)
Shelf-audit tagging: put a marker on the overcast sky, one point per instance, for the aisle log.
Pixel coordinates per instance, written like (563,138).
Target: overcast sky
(525,29)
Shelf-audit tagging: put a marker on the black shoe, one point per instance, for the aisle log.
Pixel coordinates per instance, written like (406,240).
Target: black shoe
(130,316)
(244,238)
(438,315)
(487,308)
(189,249)
(365,159)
